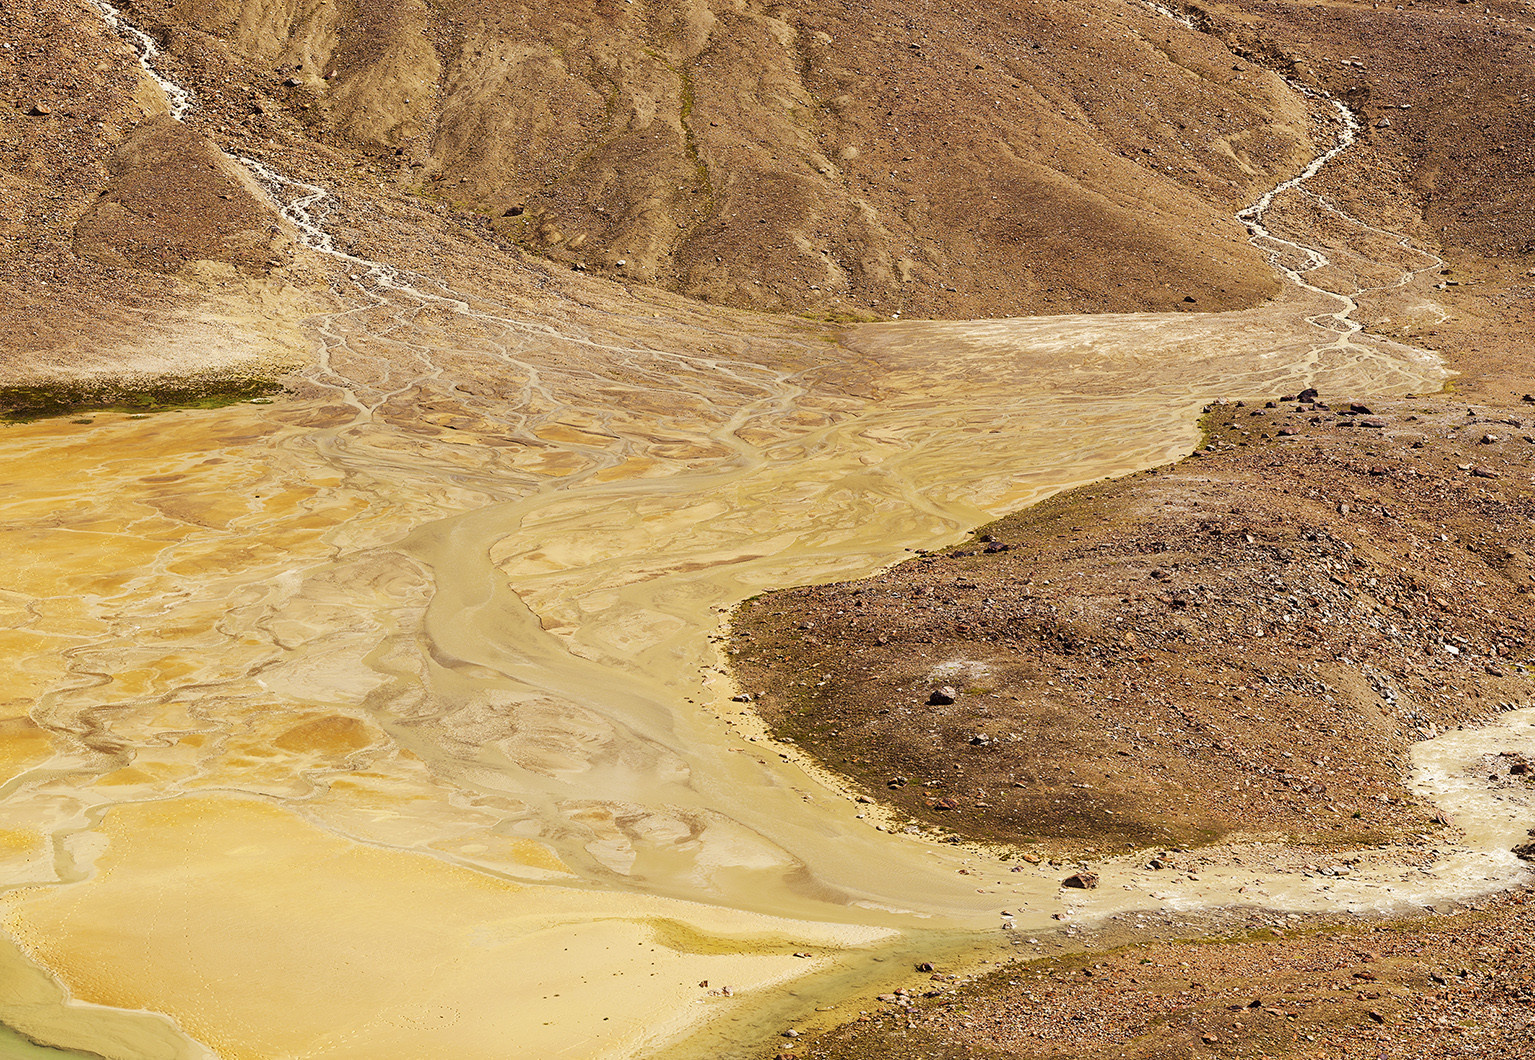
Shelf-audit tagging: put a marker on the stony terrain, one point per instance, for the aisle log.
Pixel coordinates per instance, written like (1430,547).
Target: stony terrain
(1432,986)
(1191,652)
(849,160)
(1242,645)
(135,248)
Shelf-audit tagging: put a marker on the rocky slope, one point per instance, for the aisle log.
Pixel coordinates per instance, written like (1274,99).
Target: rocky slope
(841,160)
(1428,986)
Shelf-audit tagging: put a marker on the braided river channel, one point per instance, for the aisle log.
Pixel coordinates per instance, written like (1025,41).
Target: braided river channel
(385,719)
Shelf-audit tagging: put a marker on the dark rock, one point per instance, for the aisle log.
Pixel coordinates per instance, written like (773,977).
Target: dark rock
(1288,432)
(924,966)
(942,697)
(512,211)
(946,805)
(1085,881)
(1309,394)
(1372,423)
(1482,472)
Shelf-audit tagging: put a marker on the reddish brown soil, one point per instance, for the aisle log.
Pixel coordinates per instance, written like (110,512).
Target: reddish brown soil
(1194,651)
(845,159)
(1451,986)
(1455,83)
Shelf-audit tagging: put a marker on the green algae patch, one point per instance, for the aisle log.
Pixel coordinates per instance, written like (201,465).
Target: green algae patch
(35,401)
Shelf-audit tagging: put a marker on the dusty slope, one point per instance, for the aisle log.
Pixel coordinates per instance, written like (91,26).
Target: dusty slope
(930,158)
(1448,89)
(133,245)
(844,160)
(927,158)
(1458,70)
(1450,986)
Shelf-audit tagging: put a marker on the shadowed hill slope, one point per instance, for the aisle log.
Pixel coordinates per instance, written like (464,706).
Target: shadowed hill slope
(926,158)
(835,159)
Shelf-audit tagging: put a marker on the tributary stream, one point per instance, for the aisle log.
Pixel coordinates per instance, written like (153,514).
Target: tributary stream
(386,719)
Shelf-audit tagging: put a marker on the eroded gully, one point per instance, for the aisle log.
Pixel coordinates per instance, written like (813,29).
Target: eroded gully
(384,720)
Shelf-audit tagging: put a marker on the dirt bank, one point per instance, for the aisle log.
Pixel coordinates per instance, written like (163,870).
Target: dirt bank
(1246,642)
(1434,986)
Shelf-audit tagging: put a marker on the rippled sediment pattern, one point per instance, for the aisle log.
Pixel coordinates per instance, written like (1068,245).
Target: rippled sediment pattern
(383,721)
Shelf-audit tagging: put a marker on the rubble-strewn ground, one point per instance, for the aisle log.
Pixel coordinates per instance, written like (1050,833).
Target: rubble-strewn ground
(1240,646)
(1246,642)
(1243,645)
(1429,986)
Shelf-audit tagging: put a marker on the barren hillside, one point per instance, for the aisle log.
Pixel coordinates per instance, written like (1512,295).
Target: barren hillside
(835,159)
(842,158)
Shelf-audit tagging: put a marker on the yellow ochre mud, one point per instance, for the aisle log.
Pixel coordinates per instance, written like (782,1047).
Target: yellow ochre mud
(383,720)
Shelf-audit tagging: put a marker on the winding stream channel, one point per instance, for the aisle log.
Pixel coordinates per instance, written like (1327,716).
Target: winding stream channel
(385,720)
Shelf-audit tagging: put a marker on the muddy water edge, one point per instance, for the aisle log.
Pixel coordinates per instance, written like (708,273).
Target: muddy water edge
(412,669)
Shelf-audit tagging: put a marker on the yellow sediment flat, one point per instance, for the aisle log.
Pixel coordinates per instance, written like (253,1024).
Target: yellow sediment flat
(223,912)
(383,721)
